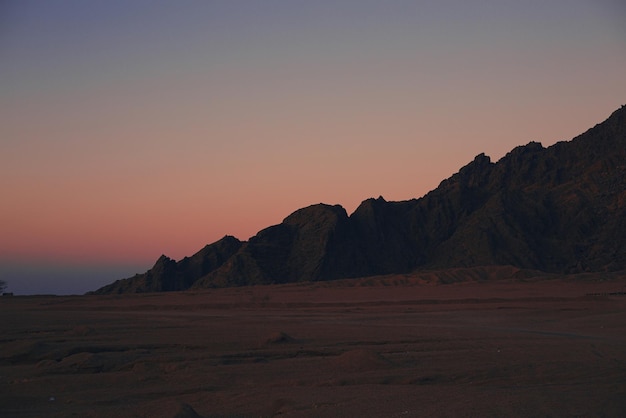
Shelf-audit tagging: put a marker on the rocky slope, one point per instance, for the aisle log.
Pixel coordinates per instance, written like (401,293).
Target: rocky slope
(168,275)
(555,209)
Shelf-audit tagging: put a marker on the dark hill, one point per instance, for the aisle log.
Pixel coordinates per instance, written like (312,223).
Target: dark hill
(556,209)
(168,275)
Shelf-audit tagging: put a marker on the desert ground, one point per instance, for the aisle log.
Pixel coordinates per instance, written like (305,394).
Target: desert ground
(500,345)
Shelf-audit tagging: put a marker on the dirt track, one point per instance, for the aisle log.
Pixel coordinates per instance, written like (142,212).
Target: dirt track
(346,349)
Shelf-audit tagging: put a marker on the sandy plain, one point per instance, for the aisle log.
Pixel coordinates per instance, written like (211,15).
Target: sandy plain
(394,346)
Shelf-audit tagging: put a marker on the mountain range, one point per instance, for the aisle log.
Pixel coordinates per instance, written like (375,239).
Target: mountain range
(560,209)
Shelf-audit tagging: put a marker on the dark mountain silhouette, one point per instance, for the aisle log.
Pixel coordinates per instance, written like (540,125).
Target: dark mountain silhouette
(559,209)
(167,274)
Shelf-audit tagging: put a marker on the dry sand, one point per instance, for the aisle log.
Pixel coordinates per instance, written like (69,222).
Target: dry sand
(382,347)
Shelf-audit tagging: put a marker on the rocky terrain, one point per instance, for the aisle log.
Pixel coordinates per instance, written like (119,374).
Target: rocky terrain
(560,209)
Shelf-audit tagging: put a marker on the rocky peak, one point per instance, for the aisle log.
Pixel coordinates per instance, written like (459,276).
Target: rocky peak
(320,213)
(476,173)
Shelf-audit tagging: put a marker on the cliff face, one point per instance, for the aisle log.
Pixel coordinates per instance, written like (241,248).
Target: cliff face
(556,209)
(313,243)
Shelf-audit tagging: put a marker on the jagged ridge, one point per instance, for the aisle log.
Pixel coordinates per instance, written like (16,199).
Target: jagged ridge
(555,209)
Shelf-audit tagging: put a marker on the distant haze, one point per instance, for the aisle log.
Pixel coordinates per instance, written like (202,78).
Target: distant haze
(134,129)
(62,278)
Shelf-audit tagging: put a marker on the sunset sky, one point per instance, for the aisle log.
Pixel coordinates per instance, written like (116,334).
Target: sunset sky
(131,129)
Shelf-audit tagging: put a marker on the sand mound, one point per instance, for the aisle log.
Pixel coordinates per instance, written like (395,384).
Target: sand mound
(279,338)
(82,362)
(359,360)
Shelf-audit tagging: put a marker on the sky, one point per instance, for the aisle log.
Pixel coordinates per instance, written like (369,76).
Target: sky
(131,129)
